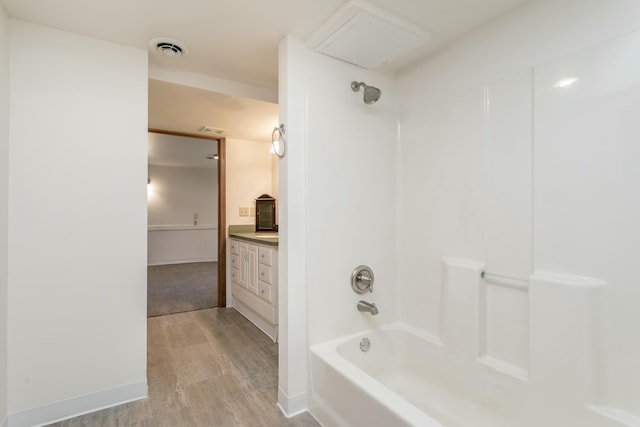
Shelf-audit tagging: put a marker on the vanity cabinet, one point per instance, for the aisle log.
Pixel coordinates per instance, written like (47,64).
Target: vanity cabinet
(248,258)
(254,279)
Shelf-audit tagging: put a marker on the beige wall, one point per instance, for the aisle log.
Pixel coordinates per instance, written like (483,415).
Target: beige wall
(275,171)
(249,175)
(77,209)
(4,203)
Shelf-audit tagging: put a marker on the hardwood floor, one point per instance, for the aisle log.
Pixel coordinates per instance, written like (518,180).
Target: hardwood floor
(205,368)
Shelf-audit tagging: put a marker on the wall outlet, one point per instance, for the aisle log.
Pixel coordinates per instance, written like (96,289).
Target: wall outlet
(244,211)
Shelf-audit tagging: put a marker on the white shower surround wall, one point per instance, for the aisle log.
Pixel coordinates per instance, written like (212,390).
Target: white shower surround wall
(478,115)
(338,206)
(499,171)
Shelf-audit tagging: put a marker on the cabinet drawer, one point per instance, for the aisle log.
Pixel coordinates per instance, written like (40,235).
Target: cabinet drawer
(265,255)
(264,290)
(234,275)
(265,273)
(235,261)
(233,244)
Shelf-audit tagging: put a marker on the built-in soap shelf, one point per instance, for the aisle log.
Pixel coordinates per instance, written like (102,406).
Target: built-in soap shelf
(503,324)
(548,323)
(513,325)
(622,418)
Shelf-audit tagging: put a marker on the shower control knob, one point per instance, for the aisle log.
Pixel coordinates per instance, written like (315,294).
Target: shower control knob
(362,279)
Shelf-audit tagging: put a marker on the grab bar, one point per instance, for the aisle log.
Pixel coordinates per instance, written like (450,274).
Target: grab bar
(508,282)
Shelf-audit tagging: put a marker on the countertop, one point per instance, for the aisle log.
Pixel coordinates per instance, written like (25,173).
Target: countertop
(247,232)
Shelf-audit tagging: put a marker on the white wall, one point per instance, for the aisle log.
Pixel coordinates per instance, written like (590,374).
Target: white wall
(337,203)
(174,195)
(4,203)
(249,175)
(77,240)
(499,170)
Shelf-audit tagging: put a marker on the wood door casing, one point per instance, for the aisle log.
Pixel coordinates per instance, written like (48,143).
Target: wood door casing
(222,209)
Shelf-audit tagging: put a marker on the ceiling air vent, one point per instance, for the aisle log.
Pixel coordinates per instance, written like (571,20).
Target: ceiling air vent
(212,131)
(168,47)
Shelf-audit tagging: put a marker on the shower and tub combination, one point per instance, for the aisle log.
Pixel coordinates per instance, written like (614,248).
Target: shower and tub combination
(502,352)
(397,375)
(476,163)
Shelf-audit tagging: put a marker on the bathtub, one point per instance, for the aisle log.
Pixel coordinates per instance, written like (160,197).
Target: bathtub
(404,379)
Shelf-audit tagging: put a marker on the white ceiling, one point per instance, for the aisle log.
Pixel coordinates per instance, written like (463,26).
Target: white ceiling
(179,151)
(236,41)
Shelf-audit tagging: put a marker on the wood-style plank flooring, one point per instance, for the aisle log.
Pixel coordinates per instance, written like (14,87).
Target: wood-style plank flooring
(205,368)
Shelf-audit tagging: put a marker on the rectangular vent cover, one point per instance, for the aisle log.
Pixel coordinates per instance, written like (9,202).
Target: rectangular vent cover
(365,35)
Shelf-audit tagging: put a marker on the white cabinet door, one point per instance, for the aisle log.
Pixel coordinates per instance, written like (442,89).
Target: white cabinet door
(252,268)
(243,273)
(235,275)
(264,273)
(254,274)
(265,255)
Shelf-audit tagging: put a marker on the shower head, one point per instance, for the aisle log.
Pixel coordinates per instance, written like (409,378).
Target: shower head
(371,94)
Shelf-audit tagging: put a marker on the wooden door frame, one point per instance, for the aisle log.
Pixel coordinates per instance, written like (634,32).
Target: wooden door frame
(222,208)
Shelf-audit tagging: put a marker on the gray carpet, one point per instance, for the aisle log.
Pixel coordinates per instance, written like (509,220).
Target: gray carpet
(175,288)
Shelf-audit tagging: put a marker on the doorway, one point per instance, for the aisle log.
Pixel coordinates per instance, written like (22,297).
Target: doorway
(186,222)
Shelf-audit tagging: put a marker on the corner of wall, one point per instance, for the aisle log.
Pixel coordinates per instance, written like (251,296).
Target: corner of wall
(291,406)
(4,202)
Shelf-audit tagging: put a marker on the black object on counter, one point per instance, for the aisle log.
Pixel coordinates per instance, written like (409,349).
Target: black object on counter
(266,213)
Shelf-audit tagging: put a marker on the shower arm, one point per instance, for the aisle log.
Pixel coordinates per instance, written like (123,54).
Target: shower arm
(355,86)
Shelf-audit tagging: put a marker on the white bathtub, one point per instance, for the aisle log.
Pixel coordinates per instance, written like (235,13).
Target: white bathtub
(405,379)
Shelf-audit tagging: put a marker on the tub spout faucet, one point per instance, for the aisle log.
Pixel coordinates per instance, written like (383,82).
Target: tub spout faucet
(367,306)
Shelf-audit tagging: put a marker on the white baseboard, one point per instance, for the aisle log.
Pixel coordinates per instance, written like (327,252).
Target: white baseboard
(269,329)
(182,261)
(292,406)
(76,406)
